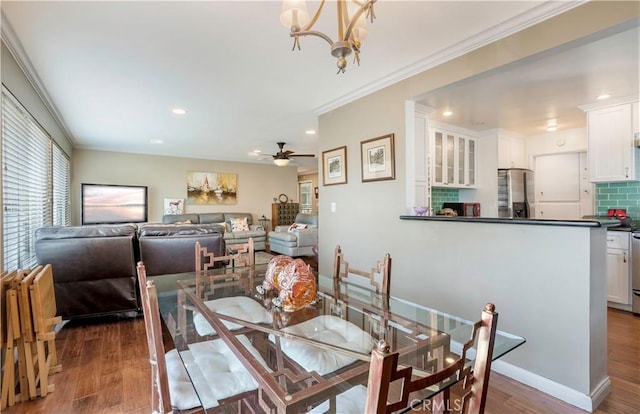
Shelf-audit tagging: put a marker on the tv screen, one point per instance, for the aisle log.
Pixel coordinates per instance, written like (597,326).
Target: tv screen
(112,204)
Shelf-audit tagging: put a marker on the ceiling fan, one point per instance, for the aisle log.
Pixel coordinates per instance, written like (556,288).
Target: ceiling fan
(282,157)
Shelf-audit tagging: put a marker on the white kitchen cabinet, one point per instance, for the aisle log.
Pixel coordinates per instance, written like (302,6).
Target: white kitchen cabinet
(612,152)
(453,159)
(511,152)
(618,268)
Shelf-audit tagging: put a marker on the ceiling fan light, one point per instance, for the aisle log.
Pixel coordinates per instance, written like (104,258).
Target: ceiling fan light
(281,162)
(294,13)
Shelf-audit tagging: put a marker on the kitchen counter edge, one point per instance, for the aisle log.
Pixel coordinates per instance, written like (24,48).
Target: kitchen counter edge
(537,222)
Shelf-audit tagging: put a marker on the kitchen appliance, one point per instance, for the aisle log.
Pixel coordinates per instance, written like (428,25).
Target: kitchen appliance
(515,193)
(635,271)
(458,208)
(472,209)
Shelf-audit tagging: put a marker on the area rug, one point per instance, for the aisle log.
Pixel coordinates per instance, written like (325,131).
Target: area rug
(263,257)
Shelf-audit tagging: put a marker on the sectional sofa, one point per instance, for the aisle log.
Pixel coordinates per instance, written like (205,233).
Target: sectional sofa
(94,267)
(255,231)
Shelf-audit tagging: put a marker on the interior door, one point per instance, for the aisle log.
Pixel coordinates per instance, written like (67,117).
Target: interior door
(305,195)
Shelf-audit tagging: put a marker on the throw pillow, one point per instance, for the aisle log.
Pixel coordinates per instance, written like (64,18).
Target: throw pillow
(239,224)
(223,224)
(295,226)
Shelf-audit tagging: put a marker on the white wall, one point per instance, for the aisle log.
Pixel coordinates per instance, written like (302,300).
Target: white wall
(258,184)
(447,265)
(571,140)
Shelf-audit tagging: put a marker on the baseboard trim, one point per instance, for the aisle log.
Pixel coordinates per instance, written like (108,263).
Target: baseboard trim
(556,390)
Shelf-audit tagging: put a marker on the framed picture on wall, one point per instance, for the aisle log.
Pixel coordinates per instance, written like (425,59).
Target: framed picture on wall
(334,166)
(378,159)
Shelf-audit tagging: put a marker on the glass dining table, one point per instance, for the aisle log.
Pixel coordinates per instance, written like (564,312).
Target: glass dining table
(305,360)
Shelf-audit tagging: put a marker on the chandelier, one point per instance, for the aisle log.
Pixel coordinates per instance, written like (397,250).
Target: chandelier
(352,26)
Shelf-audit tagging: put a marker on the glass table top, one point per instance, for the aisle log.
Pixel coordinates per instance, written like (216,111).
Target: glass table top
(302,358)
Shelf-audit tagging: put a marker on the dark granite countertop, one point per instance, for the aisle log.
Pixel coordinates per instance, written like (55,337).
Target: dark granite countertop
(610,224)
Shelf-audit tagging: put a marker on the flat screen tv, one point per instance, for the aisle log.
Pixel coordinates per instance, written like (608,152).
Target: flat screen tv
(112,204)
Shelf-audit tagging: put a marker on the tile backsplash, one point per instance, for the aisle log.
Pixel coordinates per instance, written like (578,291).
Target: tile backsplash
(443,195)
(619,195)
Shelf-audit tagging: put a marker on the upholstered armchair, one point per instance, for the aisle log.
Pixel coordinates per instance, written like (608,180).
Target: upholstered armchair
(297,239)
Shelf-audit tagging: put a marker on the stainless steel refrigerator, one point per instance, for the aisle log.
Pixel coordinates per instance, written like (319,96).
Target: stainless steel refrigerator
(515,193)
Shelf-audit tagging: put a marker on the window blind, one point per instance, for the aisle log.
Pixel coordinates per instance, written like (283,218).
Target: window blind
(60,187)
(35,183)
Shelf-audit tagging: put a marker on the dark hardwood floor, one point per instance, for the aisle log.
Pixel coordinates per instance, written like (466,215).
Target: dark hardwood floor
(105,369)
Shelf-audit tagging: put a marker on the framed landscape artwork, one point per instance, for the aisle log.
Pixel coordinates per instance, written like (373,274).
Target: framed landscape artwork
(378,159)
(334,166)
(212,188)
(112,203)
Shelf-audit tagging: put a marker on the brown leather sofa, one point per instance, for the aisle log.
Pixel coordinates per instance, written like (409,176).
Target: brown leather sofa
(167,249)
(94,267)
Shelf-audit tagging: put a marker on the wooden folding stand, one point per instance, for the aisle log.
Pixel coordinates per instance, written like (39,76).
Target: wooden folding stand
(10,333)
(43,306)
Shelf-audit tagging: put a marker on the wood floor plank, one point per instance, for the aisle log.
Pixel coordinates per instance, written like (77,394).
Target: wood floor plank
(112,356)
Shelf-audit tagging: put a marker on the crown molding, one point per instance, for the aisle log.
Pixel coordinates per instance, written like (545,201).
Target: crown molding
(12,42)
(536,15)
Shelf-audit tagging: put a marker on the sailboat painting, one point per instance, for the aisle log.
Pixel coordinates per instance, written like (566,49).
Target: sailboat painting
(212,188)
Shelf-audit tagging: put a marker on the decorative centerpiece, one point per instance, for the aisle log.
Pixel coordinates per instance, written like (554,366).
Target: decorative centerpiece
(421,210)
(294,281)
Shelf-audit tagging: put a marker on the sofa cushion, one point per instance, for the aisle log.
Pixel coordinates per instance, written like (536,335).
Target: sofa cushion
(297,226)
(237,235)
(178,229)
(229,216)
(239,224)
(176,218)
(206,218)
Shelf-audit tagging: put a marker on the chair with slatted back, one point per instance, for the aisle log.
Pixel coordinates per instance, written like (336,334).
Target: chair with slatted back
(44,310)
(241,307)
(382,397)
(378,278)
(337,327)
(172,386)
(384,370)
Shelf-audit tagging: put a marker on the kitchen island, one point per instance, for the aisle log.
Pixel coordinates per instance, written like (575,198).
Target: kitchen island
(547,279)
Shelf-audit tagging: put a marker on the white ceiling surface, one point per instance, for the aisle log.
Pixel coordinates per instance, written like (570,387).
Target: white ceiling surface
(114,70)
(531,94)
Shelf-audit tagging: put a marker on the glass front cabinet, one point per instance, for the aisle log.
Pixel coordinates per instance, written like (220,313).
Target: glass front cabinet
(454,159)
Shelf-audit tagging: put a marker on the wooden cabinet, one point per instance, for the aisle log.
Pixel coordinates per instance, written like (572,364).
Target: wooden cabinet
(618,268)
(511,152)
(454,159)
(611,134)
(284,214)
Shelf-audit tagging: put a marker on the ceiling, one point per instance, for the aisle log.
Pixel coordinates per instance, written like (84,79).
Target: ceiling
(112,71)
(533,94)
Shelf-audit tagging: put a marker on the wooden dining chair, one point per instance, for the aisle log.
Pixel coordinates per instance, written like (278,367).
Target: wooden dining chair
(377,278)
(172,386)
(241,307)
(337,327)
(384,370)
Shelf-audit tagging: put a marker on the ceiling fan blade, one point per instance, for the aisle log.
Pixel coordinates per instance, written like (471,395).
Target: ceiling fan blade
(303,155)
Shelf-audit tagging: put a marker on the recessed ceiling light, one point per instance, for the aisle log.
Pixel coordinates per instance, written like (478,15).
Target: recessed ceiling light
(604,96)
(447,113)
(310,132)
(179,111)
(156,141)
(257,151)
(552,128)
